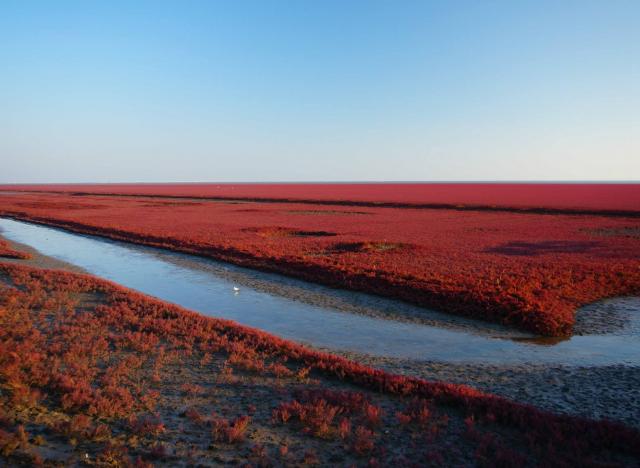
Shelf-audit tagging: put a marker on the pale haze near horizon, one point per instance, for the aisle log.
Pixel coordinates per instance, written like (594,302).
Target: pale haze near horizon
(312,91)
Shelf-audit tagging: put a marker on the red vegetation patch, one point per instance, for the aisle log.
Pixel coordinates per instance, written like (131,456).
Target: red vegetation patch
(75,371)
(318,411)
(530,271)
(146,424)
(230,432)
(7,252)
(548,196)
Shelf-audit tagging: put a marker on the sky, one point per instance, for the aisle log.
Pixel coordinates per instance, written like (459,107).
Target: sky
(302,90)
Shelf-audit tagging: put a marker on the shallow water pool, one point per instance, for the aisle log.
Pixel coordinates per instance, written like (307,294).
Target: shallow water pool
(325,317)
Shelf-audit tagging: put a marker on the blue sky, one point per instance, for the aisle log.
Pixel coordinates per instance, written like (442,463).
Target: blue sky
(307,90)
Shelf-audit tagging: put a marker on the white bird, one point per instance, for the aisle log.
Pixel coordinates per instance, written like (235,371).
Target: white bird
(236,289)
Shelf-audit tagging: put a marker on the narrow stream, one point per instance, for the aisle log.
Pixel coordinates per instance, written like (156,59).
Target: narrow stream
(327,318)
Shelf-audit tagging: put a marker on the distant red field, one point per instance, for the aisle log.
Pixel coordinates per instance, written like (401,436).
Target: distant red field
(536,196)
(522,269)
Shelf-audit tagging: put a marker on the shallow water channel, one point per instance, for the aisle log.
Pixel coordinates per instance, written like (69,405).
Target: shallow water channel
(329,318)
